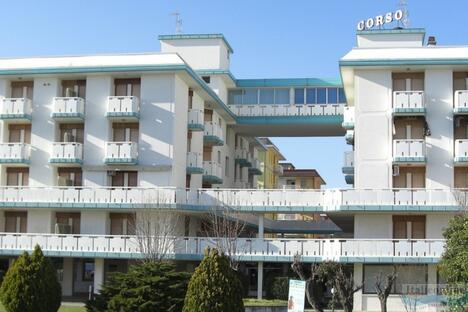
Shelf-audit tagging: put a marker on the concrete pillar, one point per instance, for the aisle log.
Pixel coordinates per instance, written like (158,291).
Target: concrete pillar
(67,281)
(432,279)
(98,274)
(260,281)
(261,228)
(357,275)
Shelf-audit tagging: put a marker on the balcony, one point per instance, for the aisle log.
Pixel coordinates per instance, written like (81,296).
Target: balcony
(348,167)
(68,108)
(194,163)
(461,102)
(348,117)
(15,153)
(260,110)
(212,172)
(461,151)
(195,120)
(242,157)
(256,168)
(121,153)
(16,109)
(278,169)
(213,134)
(248,249)
(408,103)
(349,137)
(409,151)
(67,153)
(125,108)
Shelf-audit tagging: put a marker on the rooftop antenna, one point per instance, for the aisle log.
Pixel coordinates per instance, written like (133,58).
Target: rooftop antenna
(403,6)
(178,23)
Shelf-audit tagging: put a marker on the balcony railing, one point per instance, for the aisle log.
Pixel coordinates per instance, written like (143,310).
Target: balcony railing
(15,153)
(195,120)
(242,157)
(121,153)
(348,117)
(194,162)
(409,150)
(68,108)
(461,101)
(278,169)
(461,150)
(408,102)
(15,108)
(354,250)
(123,107)
(67,152)
(212,172)
(249,200)
(348,164)
(287,110)
(213,134)
(256,167)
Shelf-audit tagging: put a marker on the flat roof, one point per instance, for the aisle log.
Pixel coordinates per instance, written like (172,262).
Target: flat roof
(197,36)
(309,173)
(289,82)
(392,31)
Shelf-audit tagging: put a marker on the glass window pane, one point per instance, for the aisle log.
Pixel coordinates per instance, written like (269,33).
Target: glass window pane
(250,96)
(299,96)
(311,93)
(332,95)
(341,96)
(235,97)
(281,96)
(267,96)
(370,274)
(321,96)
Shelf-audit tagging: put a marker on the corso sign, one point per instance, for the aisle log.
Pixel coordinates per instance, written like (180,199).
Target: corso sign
(380,20)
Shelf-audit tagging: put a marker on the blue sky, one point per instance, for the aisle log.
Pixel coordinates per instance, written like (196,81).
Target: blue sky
(270,39)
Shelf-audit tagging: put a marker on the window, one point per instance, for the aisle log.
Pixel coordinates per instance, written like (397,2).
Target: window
(69,177)
(321,96)
(17,176)
(332,95)
(341,96)
(410,278)
(190,99)
(206,79)
(125,132)
(16,221)
(122,223)
(67,223)
(88,271)
(267,96)
(250,96)
(235,97)
(299,96)
(123,178)
(74,88)
(281,96)
(311,94)
(71,133)
(409,227)
(19,133)
(22,89)
(226,166)
(127,87)
(219,157)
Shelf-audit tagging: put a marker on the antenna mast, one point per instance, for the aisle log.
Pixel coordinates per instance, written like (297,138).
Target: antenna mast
(403,6)
(178,22)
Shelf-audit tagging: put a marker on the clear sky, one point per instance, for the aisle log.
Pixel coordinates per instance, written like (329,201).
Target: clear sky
(271,39)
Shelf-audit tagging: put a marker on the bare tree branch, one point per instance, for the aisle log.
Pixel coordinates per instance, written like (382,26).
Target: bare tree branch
(384,290)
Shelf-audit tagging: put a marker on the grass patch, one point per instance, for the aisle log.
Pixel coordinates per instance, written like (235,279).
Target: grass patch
(265,303)
(62,309)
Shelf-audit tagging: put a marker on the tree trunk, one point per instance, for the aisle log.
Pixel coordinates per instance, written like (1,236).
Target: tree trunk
(348,307)
(383,304)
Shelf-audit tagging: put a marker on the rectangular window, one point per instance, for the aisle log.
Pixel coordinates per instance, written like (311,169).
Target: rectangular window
(267,96)
(19,133)
(69,176)
(127,87)
(341,96)
(311,94)
(22,89)
(17,176)
(281,96)
(235,97)
(332,95)
(125,132)
(74,88)
(122,223)
(299,96)
(251,96)
(124,178)
(410,278)
(67,223)
(16,221)
(71,133)
(88,271)
(409,227)
(322,96)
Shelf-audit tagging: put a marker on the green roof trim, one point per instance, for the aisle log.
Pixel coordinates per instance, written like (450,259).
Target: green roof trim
(209,72)
(197,36)
(392,31)
(403,62)
(289,82)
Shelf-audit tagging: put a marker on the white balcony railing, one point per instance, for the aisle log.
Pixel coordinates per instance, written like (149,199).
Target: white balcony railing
(121,152)
(289,201)
(461,150)
(287,110)
(242,153)
(408,101)
(212,168)
(121,106)
(349,117)
(14,152)
(195,119)
(348,159)
(278,169)
(213,129)
(68,107)
(409,150)
(461,100)
(67,152)
(15,107)
(194,160)
(327,249)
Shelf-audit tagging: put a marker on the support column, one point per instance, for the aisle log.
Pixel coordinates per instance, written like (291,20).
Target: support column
(357,275)
(98,274)
(260,281)
(67,280)
(261,229)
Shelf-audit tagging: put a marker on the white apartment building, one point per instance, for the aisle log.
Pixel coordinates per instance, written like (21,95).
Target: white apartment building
(87,141)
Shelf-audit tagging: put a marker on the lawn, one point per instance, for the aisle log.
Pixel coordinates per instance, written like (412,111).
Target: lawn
(62,309)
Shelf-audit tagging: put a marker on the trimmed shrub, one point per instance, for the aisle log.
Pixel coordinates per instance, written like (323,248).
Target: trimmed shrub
(146,287)
(214,286)
(280,288)
(31,285)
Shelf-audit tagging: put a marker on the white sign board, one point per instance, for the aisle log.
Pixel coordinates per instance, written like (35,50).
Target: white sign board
(296,296)
(380,20)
